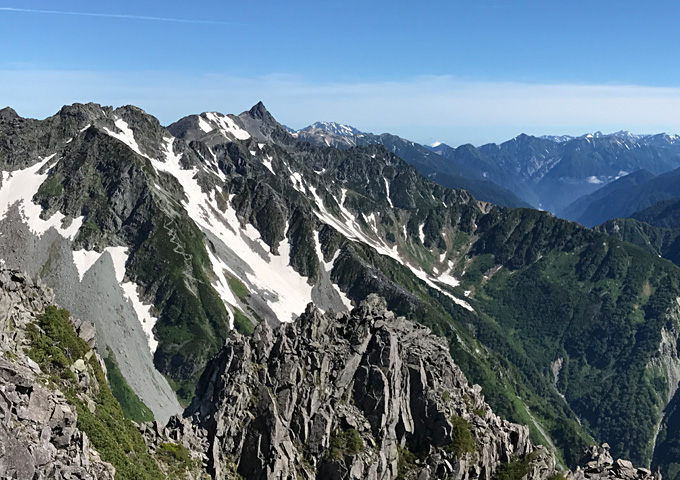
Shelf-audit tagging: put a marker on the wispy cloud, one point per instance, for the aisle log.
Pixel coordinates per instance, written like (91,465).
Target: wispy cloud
(116,15)
(425,108)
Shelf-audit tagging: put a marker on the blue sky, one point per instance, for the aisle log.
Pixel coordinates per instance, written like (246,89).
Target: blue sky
(455,71)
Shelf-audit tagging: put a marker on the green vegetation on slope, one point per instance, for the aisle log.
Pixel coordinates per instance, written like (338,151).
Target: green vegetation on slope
(242,324)
(462,439)
(566,322)
(55,346)
(516,469)
(133,407)
(657,240)
(193,322)
(238,288)
(346,442)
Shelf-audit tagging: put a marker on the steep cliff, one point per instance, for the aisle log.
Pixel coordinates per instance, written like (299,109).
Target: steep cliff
(361,395)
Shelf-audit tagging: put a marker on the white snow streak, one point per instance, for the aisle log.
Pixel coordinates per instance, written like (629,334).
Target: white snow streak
(119,256)
(328,266)
(349,227)
(285,291)
(387,187)
(126,135)
(267,162)
(203,125)
(19,187)
(227,126)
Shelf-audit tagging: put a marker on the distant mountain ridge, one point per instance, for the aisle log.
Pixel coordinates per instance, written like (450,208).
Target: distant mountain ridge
(553,172)
(624,197)
(549,172)
(421,157)
(335,128)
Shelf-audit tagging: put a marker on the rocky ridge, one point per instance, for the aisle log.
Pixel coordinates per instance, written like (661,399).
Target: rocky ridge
(598,464)
(360,395)
(38,434)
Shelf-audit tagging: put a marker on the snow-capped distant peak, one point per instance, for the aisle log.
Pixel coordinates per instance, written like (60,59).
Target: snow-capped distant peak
(621,135)
(335,128)
(435,144)
(557,138)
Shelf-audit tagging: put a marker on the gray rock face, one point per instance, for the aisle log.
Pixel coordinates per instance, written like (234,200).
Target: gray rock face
(360,395)
(50,257)
(598,464)
(38,434)
(179,431)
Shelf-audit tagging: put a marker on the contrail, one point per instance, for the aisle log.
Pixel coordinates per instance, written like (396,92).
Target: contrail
(115,15)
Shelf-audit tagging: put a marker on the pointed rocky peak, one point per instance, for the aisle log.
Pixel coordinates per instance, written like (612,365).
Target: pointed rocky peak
(259,111)
(8,114)
(259,123)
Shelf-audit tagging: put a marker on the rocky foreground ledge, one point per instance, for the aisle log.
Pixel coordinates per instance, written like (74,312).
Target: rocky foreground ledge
(364,395)
(39,437)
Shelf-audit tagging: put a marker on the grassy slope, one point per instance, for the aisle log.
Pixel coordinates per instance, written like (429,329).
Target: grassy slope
(133,407)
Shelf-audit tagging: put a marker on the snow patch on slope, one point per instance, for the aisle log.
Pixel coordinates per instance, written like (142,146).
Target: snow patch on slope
(387,187)
(85,259)
(126,135)
(283,289)
(226,125)
(119,256)
(19,187)
(267,162)
(328,266)
(349,227)
(203,125)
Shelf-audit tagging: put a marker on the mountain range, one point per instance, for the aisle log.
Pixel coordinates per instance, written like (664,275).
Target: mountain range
(562,174)
(168,238)
(421,157)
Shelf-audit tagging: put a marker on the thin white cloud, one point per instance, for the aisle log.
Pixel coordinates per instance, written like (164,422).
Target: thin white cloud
(115,15)
(423,109)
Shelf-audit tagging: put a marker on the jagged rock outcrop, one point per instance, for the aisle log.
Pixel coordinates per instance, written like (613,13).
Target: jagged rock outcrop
(361,395)
(178,431)
(598,464)
(38,434)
